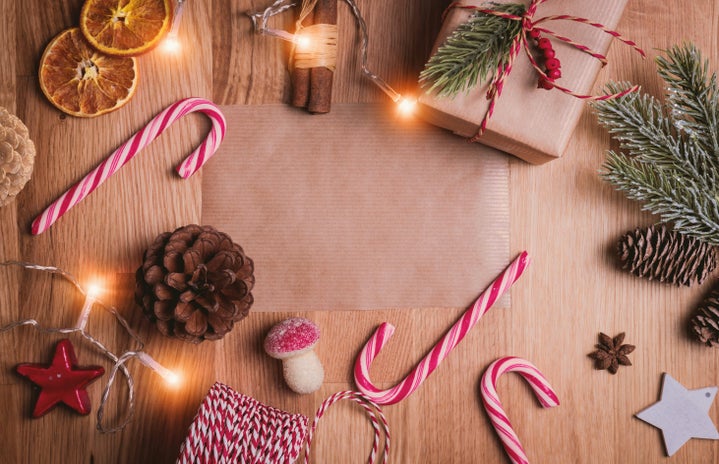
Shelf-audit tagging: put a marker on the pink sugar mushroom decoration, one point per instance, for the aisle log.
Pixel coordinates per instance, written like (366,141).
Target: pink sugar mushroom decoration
(292,342)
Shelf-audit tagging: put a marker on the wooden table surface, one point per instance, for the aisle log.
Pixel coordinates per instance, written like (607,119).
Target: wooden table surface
(561,212)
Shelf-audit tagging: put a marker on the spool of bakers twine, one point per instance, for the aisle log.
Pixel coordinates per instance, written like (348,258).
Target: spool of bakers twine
(232,427)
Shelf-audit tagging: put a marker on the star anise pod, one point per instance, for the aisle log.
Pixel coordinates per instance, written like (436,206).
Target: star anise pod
(611,353)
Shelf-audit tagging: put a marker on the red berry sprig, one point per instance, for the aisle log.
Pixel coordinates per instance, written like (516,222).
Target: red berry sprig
(551,63)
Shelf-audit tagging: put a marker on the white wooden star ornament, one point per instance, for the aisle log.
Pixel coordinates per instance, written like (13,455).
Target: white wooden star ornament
(681,414)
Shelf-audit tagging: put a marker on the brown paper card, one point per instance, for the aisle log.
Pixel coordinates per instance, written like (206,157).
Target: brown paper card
(530,123)
(358,209)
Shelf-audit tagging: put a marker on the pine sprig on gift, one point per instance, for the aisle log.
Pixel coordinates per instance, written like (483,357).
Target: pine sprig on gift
(670,154)
(473,52)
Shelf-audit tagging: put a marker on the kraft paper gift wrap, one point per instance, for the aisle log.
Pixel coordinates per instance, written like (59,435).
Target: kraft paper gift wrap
(530,123)
(358,209)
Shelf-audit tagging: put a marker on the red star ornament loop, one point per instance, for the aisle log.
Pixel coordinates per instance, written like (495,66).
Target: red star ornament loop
(62,381)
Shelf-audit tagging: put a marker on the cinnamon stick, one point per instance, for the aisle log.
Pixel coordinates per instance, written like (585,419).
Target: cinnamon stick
(300,77)
(320,98)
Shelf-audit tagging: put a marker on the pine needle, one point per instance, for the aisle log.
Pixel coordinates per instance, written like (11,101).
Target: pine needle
(473,52)
(692,95)
(670,152)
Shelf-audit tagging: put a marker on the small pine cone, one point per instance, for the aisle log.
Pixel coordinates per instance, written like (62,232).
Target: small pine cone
(705,323)
(195,283)
(17,156)
(658,253)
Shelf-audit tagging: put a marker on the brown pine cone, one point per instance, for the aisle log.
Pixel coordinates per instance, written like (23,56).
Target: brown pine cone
(195,283)
(657,253)
(17,156)
(705,323)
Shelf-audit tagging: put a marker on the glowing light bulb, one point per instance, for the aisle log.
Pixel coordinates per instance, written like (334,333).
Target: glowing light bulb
(94,290)
(170,377)
(171,45)
(303,42)
(406,106)
(91,294)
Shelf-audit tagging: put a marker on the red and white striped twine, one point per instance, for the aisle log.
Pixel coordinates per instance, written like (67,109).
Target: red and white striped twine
(131,147)
(234,428)
(541,387)
(376,416)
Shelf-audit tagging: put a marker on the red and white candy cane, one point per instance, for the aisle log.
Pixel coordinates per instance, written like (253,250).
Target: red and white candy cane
(441,350)
(544,392)
(131,147)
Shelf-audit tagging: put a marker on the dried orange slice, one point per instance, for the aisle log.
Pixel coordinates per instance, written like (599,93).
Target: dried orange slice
(125,27)
(83,82)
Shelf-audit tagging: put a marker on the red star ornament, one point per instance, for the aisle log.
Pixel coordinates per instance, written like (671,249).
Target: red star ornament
(62,381)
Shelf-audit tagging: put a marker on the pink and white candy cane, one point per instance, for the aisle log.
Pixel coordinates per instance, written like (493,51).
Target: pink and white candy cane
(544,392)
(131,147)
(440,351)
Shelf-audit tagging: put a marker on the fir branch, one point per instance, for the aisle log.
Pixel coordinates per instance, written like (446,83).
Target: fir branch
(674,198)
(692,95)
(670,158)
(473,52)
(640,126)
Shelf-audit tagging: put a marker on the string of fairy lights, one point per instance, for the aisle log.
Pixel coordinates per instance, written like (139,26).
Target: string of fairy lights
(303,41)
(171,43)
(91,294)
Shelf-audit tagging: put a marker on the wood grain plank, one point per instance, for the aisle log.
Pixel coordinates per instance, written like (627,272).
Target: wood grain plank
(562,213)
(104,237)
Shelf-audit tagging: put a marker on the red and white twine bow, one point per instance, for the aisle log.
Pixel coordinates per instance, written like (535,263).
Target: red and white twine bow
(520,42)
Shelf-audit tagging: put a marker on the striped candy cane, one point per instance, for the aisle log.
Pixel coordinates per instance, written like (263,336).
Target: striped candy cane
(131,147)
(544,392)
(440,351)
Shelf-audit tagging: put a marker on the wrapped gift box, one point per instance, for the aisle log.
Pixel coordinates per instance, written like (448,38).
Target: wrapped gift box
(530,123)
